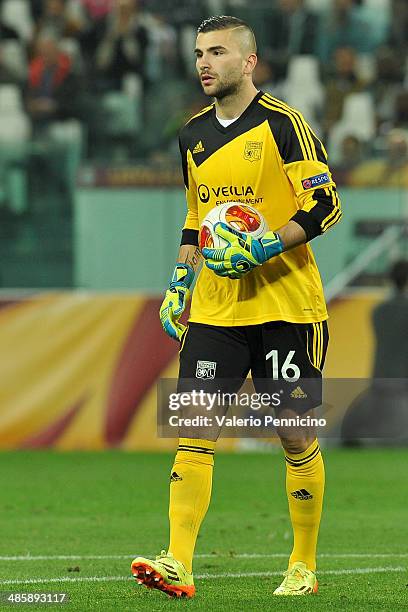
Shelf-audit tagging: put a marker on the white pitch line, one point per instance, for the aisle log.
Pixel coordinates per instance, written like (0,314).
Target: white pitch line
(357,570)
(321,556)
(66,579)
(204,556)
(62,557)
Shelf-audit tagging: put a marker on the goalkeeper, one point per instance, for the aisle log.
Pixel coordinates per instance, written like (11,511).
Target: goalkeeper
(258,300)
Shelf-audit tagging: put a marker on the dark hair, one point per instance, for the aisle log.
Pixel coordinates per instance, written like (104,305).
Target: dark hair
(225,22)
(221,22)
(399,274)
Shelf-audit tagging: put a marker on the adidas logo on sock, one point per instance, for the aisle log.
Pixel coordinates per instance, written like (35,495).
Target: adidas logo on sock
(298,392)
(302,494)
(174,477)
(199,148)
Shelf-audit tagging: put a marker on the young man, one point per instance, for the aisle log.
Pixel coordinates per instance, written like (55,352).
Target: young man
(253,299)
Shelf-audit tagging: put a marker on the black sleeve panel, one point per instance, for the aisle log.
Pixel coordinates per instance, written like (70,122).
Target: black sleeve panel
(189,236)
(294,138)
(183,153)
(323,214)
(308,223)
(285,137)
(320,152)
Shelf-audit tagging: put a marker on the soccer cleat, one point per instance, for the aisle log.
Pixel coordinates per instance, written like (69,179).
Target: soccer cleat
(298,581)
(165,574)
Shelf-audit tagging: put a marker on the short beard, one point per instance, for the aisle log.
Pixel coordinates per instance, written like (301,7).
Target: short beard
(227,89)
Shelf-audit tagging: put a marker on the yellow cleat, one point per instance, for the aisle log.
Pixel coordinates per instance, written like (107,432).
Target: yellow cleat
(298,581)
(165,574)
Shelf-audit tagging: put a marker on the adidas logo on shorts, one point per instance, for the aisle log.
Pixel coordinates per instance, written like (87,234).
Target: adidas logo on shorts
(174,477)
(298,393)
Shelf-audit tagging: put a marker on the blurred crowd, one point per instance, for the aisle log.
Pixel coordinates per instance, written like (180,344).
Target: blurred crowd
(119,75)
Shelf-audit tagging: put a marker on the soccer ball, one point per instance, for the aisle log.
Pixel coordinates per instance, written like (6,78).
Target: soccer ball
(239,216)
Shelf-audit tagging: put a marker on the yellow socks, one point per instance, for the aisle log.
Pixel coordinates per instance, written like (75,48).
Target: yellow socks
(190,493)
(305,488)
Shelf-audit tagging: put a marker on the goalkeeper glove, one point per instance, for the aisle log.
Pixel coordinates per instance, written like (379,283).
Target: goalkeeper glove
(242,253)
(175,301)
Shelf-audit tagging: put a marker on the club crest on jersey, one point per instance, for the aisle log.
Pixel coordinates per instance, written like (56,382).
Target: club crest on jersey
(206,369)
(253,150)
(316,181)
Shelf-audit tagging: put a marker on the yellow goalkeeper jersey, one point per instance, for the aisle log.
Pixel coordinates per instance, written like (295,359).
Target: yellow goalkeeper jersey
(270,159)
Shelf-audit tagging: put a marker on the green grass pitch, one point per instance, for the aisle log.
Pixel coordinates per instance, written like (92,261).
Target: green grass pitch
(82,517)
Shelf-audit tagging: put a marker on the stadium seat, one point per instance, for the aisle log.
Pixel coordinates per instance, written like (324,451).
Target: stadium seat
(71,135)
(365,67)
(378,14)
(10,99)
(15,131)
(14,57)
(384,6)
(187,42)
(358,119)
(406,73)
(303,88)
(71,47)
(358,112)
(318,5)
(116,124)
(132,86)
(16,14)
(14,128)
(303,69)
(120,114)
